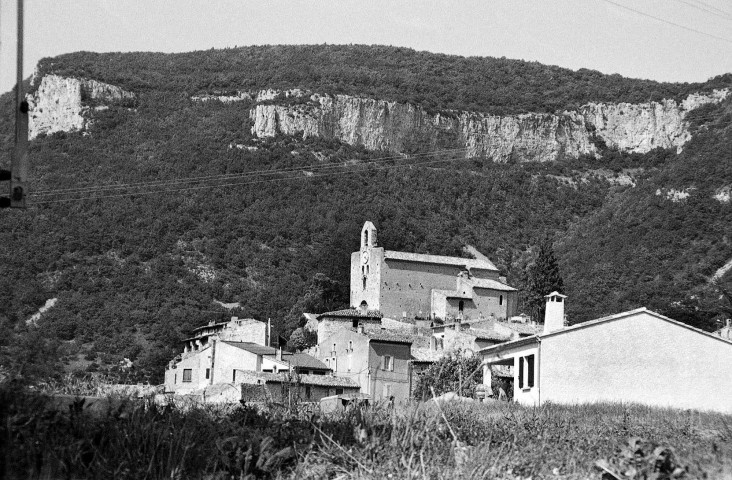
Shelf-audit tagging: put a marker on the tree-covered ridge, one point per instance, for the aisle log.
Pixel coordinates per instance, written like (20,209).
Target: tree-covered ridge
(434,81)
(134,274)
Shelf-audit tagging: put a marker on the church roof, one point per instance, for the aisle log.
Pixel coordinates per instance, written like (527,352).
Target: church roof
(490,284)
(470,263)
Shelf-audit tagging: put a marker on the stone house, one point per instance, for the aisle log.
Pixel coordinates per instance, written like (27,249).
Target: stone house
(376,359)
(285,387)
(413,285)
(636,356)
(351,318)
(214,354)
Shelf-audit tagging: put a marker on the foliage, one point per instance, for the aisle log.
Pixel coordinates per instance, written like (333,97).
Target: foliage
(121,438)
(457,372)
(302,338)
(127,271)
(544,278)
(437,82)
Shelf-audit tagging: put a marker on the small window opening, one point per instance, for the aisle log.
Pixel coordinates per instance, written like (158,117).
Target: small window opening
(461,305)
(233,376)
(365,237)
(339,391)
(208,373)
(500,300)
(364,283)
(187,375)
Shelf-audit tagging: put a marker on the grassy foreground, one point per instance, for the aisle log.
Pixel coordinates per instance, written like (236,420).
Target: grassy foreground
(139,439)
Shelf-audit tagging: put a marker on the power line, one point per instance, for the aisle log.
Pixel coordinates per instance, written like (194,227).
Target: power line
(667,21)
(705,9)
(267,180)
(714,8)
(231,175)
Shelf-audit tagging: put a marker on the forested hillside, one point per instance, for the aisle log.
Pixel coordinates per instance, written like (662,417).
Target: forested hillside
(134,273)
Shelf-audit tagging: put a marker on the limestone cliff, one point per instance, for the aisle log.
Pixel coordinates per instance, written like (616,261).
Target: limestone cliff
(383,125)
(62,104)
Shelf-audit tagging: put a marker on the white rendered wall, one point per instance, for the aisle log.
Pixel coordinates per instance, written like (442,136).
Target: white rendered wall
(641,359)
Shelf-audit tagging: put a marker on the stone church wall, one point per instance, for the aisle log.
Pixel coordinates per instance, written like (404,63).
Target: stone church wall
(407,286)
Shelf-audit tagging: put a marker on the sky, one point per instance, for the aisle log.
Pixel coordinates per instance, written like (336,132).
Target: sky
(664,40)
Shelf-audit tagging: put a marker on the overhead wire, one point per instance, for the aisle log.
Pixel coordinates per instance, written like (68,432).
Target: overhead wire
(712,7)
(231,175)
(663,20)
(705,9)
(265,180)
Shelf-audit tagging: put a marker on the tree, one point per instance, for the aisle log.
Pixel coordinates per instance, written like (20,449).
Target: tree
(323,295)
(302,338)
(544,277)
(456,372)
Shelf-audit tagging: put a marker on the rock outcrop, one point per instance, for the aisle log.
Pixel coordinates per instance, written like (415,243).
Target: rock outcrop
(399,127)
(62,104)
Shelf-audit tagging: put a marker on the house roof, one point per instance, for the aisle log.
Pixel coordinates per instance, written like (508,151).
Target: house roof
(255,348)
(319,380)
(211,325)
(426,355)
(537,338)
(389,336)
(487,335)
(523,328)
(470,263)
(351,313)
(304,360)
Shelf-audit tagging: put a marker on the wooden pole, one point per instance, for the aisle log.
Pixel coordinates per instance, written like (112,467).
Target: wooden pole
(19,169)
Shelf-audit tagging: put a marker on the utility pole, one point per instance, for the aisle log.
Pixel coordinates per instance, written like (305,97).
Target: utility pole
(18,174)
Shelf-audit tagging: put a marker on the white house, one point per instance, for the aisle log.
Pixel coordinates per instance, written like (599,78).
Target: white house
(635,356)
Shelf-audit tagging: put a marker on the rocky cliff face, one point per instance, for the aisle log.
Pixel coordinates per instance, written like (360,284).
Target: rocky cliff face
(62,104)
(382,125)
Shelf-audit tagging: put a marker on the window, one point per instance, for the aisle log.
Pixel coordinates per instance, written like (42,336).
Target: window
(521,372)
(364,283)
(308,391)
(365,237)
(388,363)
(175,378)
(339,391)
(526,371)
(461,305)
(208,373)
(500,299)
(233,375)
(187,374)
(530,372)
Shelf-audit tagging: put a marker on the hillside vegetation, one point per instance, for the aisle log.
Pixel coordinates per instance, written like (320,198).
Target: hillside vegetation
(133,274)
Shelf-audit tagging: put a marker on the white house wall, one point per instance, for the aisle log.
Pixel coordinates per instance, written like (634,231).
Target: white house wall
(641,358)
(230,358)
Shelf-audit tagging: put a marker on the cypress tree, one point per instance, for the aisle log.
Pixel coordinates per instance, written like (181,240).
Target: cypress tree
(544,278)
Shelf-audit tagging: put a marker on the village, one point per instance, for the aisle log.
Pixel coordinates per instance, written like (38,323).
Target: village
(410,310)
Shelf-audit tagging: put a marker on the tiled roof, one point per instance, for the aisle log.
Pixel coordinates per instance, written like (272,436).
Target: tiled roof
(523,328)
(304,360)
(210,326)
(483,264)
(388,336)
(253,348)
(490,284)
(319,380)
(426,354)
(487,335)
(328,381)
(350,313)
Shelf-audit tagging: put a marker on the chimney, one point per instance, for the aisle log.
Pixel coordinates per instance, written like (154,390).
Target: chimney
(554,313)
(279,353)
(268,340)
(359,329)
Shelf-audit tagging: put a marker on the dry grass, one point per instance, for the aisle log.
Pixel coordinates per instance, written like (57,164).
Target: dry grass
(138,439)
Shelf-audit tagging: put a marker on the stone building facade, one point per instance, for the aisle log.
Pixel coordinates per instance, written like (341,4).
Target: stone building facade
(409,285)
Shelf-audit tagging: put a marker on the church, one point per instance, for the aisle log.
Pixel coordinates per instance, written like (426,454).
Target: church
(415,285)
